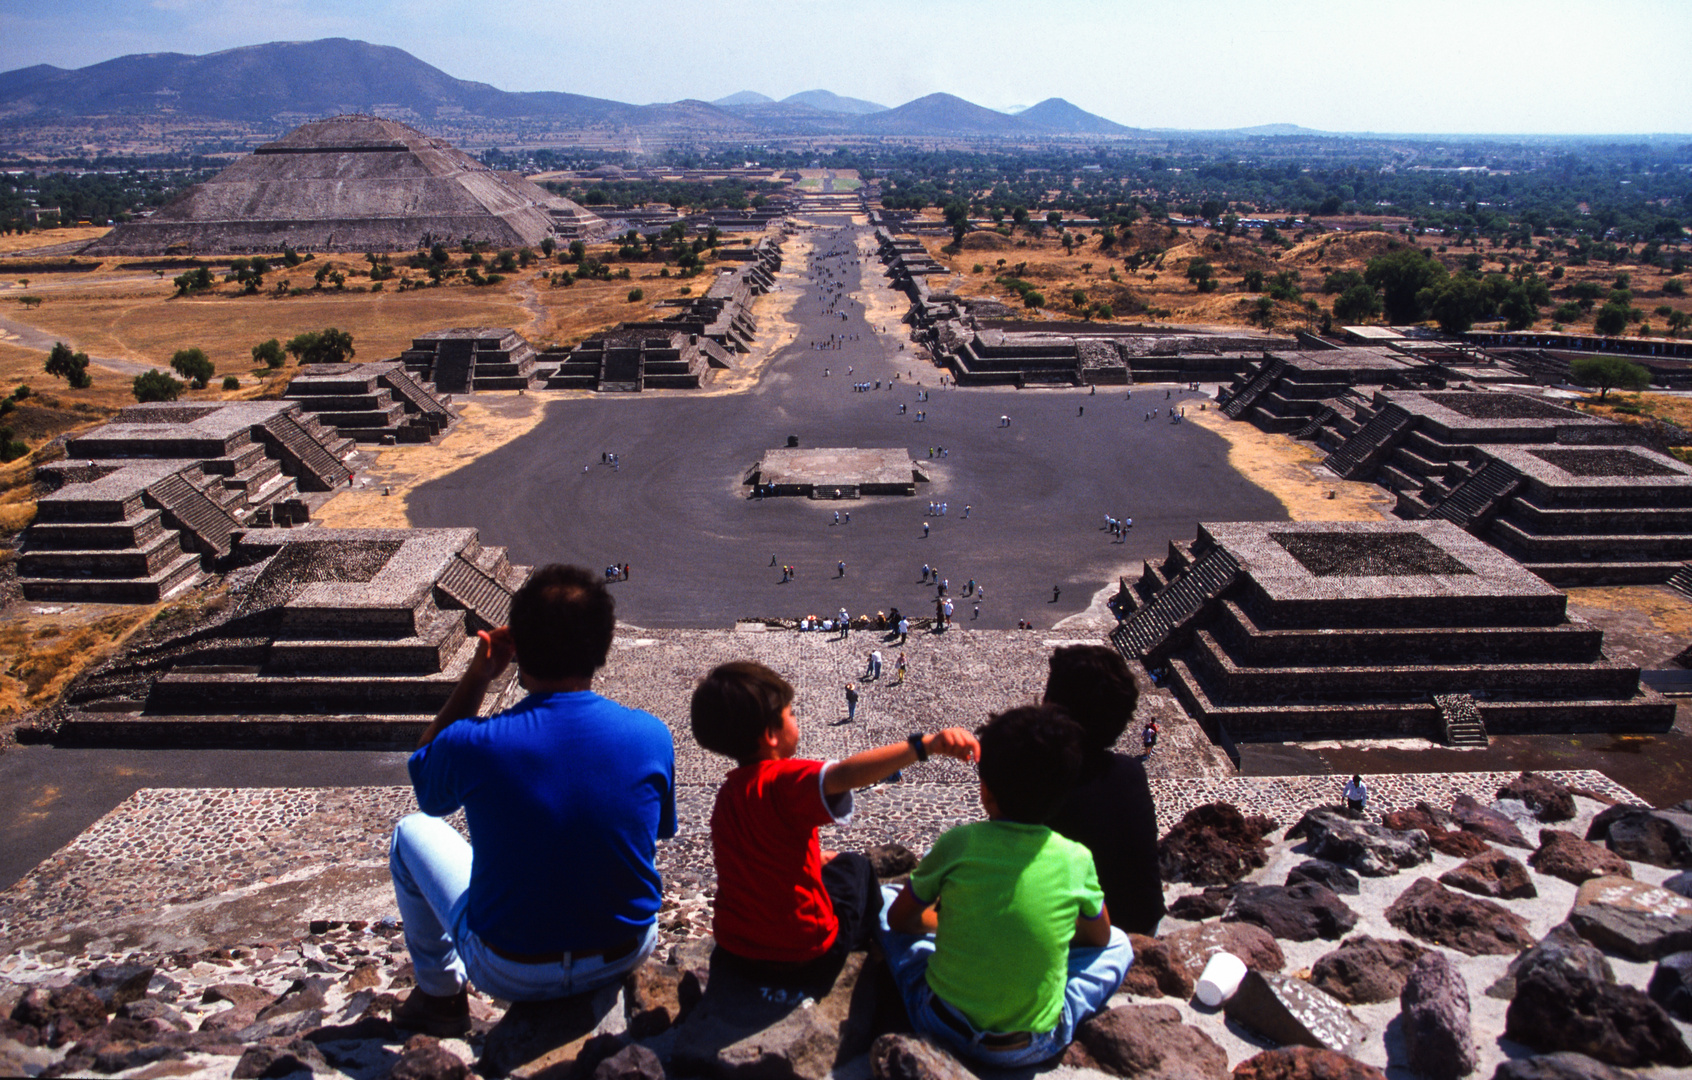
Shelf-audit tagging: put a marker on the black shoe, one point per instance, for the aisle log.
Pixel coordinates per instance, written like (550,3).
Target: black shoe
(442,1017)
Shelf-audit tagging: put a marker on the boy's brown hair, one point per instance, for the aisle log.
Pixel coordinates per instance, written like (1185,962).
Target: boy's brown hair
(735,705)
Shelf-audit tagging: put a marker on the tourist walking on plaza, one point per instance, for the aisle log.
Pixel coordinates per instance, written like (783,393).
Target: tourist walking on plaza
(875,664)
(1148,738)
(851,701)
(904,632)
(899,670)
(1356,796)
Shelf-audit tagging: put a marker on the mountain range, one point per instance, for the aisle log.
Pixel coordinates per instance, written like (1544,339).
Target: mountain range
(267,88)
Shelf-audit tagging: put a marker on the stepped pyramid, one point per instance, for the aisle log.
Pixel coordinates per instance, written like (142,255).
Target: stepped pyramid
(352,183)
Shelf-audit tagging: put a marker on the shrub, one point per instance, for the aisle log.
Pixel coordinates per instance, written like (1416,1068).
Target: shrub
(636,295)
(22,391)
(231,382)
(1674,287)
(11,449)
(156,386)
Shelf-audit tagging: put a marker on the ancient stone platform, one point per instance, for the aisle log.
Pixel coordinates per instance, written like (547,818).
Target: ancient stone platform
(372,403)
(341,627)
(1271,631)
(836,472)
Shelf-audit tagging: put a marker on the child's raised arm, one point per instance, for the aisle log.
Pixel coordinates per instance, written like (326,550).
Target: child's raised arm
(868,766)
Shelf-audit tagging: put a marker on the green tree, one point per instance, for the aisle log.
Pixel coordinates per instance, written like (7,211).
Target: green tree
(63,363)
(196,280)
(1455,303)
(957,216)
(327,346)
(1202,274)
(1402,277)
(269,353)
(1252,281)
(1606,372)
(1611,319)
(193,365)
(1359,303)
(156,386)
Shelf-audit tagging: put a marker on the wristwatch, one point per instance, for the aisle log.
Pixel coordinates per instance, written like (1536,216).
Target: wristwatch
(915,739)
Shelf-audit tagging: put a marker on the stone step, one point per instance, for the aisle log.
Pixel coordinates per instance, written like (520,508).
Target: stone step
(166,582)
(425,653)
(96,535)
(159,552)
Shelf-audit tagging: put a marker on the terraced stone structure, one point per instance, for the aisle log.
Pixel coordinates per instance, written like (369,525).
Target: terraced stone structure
(1312,394)
(372,403)
(142,506)
(468,358)
(352,184)
(1294,631)
(360,633)
(1574,515)
(840,473)
(634,360)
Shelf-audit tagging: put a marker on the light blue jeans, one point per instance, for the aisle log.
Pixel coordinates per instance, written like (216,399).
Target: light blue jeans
(1094,975)
(430,864)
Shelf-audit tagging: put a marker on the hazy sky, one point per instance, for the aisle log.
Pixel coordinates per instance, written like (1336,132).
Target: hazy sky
(1528,66)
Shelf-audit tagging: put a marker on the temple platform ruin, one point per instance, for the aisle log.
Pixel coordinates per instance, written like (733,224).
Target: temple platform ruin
(835,473)
(1314,630)
(365,631)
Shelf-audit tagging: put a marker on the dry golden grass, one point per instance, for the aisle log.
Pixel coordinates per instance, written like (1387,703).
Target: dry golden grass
(1291,471)
(16,242)
(1666,610)
(44,647)
(1640,408)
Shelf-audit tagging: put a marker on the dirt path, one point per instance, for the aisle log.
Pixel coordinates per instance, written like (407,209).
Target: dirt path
(1293,472)
(26,336)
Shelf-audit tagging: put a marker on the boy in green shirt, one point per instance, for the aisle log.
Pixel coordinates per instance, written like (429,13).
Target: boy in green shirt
(1001,943)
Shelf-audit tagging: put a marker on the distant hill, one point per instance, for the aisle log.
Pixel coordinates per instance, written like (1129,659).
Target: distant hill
(834,103)
(256,91)
(1279,129)
(1058,116)
(745,97)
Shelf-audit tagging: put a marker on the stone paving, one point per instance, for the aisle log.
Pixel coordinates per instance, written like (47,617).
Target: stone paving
(186,867)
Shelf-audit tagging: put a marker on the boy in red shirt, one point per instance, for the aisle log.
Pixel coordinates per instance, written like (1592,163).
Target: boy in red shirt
(785,907)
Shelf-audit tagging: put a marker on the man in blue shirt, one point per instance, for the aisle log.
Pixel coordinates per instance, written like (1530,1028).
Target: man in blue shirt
(566,795)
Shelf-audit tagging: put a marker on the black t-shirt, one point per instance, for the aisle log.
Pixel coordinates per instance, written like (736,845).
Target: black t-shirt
(1111,813)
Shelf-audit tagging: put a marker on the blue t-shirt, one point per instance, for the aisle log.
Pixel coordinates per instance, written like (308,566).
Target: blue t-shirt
(566,796)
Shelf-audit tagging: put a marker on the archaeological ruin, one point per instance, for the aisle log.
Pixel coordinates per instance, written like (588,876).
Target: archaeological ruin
(1281,631)
(353,184)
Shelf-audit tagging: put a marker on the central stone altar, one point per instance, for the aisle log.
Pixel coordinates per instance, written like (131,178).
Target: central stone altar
(835,473)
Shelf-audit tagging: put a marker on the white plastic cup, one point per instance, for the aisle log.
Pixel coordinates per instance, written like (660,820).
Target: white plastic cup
(1221,978)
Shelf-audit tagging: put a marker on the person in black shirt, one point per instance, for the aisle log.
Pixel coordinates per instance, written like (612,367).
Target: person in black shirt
(1110,810)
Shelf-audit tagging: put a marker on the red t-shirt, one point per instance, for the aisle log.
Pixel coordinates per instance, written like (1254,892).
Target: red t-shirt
(770,899)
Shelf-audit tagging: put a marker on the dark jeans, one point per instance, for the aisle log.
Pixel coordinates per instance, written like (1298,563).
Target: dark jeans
(851,884)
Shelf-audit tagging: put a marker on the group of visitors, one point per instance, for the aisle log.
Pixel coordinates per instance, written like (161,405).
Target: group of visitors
(1009,933)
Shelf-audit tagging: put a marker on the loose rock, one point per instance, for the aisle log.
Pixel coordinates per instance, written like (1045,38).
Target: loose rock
(1639,921)
(1371,850)
(1439,825)
(1289,1010)
(1335,878)
(1149,1042)
(1549,800)
(1563,1066)
(1196,907)
(1559,1009)
(1192,948)
(911,1057)
(1562,947)
(1472,817)
(1494,874)
(424,1058)
(1430,911)
(1434,1004)
(1154,972)
(1213,844)
(1658,837)
(1300,912)
(1364,970)
(1304,1063)
(117,984)
(1565,855)
(1671,985)
(633,1062)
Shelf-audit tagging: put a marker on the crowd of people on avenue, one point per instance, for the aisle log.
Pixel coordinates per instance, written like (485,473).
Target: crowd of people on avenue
(568,793)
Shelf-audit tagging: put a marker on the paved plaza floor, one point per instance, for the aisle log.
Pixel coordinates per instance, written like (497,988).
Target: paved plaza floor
(700,551)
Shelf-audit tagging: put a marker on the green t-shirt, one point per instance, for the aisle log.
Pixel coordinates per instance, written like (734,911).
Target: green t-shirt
(1009,896)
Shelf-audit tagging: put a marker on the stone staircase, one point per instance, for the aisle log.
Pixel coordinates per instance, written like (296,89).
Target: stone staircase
(1148,629)
(481,581)
(1318,420)
(206,526)
(1461,721)
(311,449)
(1237,406)
(1479,495)
(1681,580)
(1365,449)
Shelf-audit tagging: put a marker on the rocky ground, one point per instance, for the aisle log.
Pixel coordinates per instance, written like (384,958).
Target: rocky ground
(223,933)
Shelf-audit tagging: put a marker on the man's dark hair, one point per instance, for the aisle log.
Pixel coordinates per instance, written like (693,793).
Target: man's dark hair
(735,705)
(1093,685)
(562,620)
(1030,757)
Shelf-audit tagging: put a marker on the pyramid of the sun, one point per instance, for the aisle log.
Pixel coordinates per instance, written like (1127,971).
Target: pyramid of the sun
(352,183)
